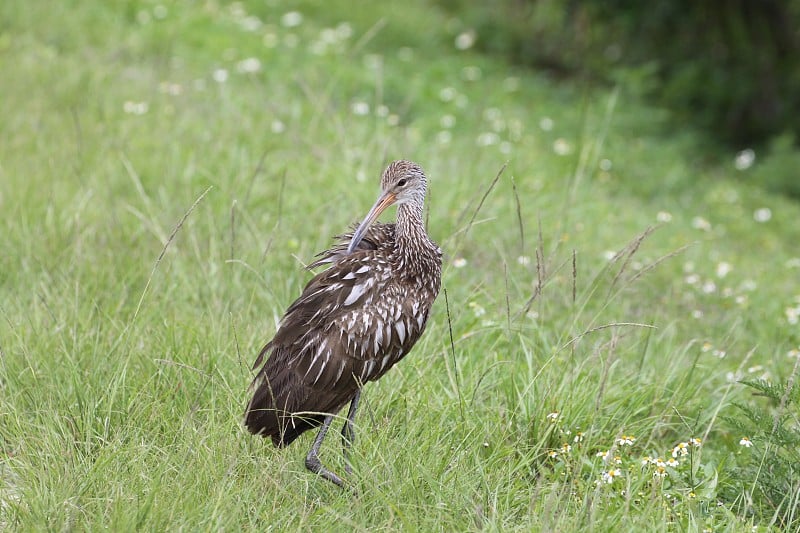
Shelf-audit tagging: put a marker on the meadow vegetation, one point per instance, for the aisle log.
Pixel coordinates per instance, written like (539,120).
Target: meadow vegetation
(167,169)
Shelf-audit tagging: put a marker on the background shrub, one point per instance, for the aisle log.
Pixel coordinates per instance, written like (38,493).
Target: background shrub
(730,67)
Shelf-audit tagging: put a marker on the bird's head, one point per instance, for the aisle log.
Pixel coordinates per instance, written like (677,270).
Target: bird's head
(403,182)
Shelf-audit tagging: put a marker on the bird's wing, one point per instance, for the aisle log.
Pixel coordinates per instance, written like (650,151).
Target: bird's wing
(317,361)
(351,323)
(340,306)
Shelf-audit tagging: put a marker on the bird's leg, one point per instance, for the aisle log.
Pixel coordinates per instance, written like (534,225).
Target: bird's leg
(312,459)
(348,431)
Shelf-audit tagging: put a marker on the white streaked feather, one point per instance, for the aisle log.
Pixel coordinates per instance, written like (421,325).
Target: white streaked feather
(401,331)
(355,293)
(339,372)
(367,370)
(322,348)
(321,368)
(308,344)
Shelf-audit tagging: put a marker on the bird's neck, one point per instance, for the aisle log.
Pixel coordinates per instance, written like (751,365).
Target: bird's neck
(412,242)
(409,223)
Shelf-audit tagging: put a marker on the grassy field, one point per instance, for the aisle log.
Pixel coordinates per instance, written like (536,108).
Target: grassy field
(167,169)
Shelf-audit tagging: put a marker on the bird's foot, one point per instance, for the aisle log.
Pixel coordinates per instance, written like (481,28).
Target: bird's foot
(315,465)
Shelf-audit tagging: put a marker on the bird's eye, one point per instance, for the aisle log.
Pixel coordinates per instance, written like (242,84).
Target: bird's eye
(401,183)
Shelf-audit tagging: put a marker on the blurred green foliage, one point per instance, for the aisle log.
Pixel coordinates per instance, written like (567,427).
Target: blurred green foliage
(780,170)
(730,67)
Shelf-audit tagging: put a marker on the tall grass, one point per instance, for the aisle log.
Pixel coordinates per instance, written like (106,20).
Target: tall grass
(161,192)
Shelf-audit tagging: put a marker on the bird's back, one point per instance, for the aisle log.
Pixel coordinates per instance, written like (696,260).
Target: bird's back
(379,238)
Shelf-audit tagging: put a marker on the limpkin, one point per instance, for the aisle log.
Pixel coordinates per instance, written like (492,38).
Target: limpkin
(352,322)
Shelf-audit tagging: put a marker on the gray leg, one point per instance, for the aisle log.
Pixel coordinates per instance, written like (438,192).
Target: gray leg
(312,459)
(348,431)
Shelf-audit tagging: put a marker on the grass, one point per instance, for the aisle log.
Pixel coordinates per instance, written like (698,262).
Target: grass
(160,194)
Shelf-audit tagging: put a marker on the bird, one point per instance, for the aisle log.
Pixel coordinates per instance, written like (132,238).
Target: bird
(352,322)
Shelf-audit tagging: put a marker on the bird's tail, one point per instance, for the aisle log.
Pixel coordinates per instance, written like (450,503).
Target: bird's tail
(282,424)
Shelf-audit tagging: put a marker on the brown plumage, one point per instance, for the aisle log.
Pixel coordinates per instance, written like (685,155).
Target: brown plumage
(352,322)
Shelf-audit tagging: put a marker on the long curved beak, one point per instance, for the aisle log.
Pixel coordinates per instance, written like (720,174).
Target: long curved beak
(384,200)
